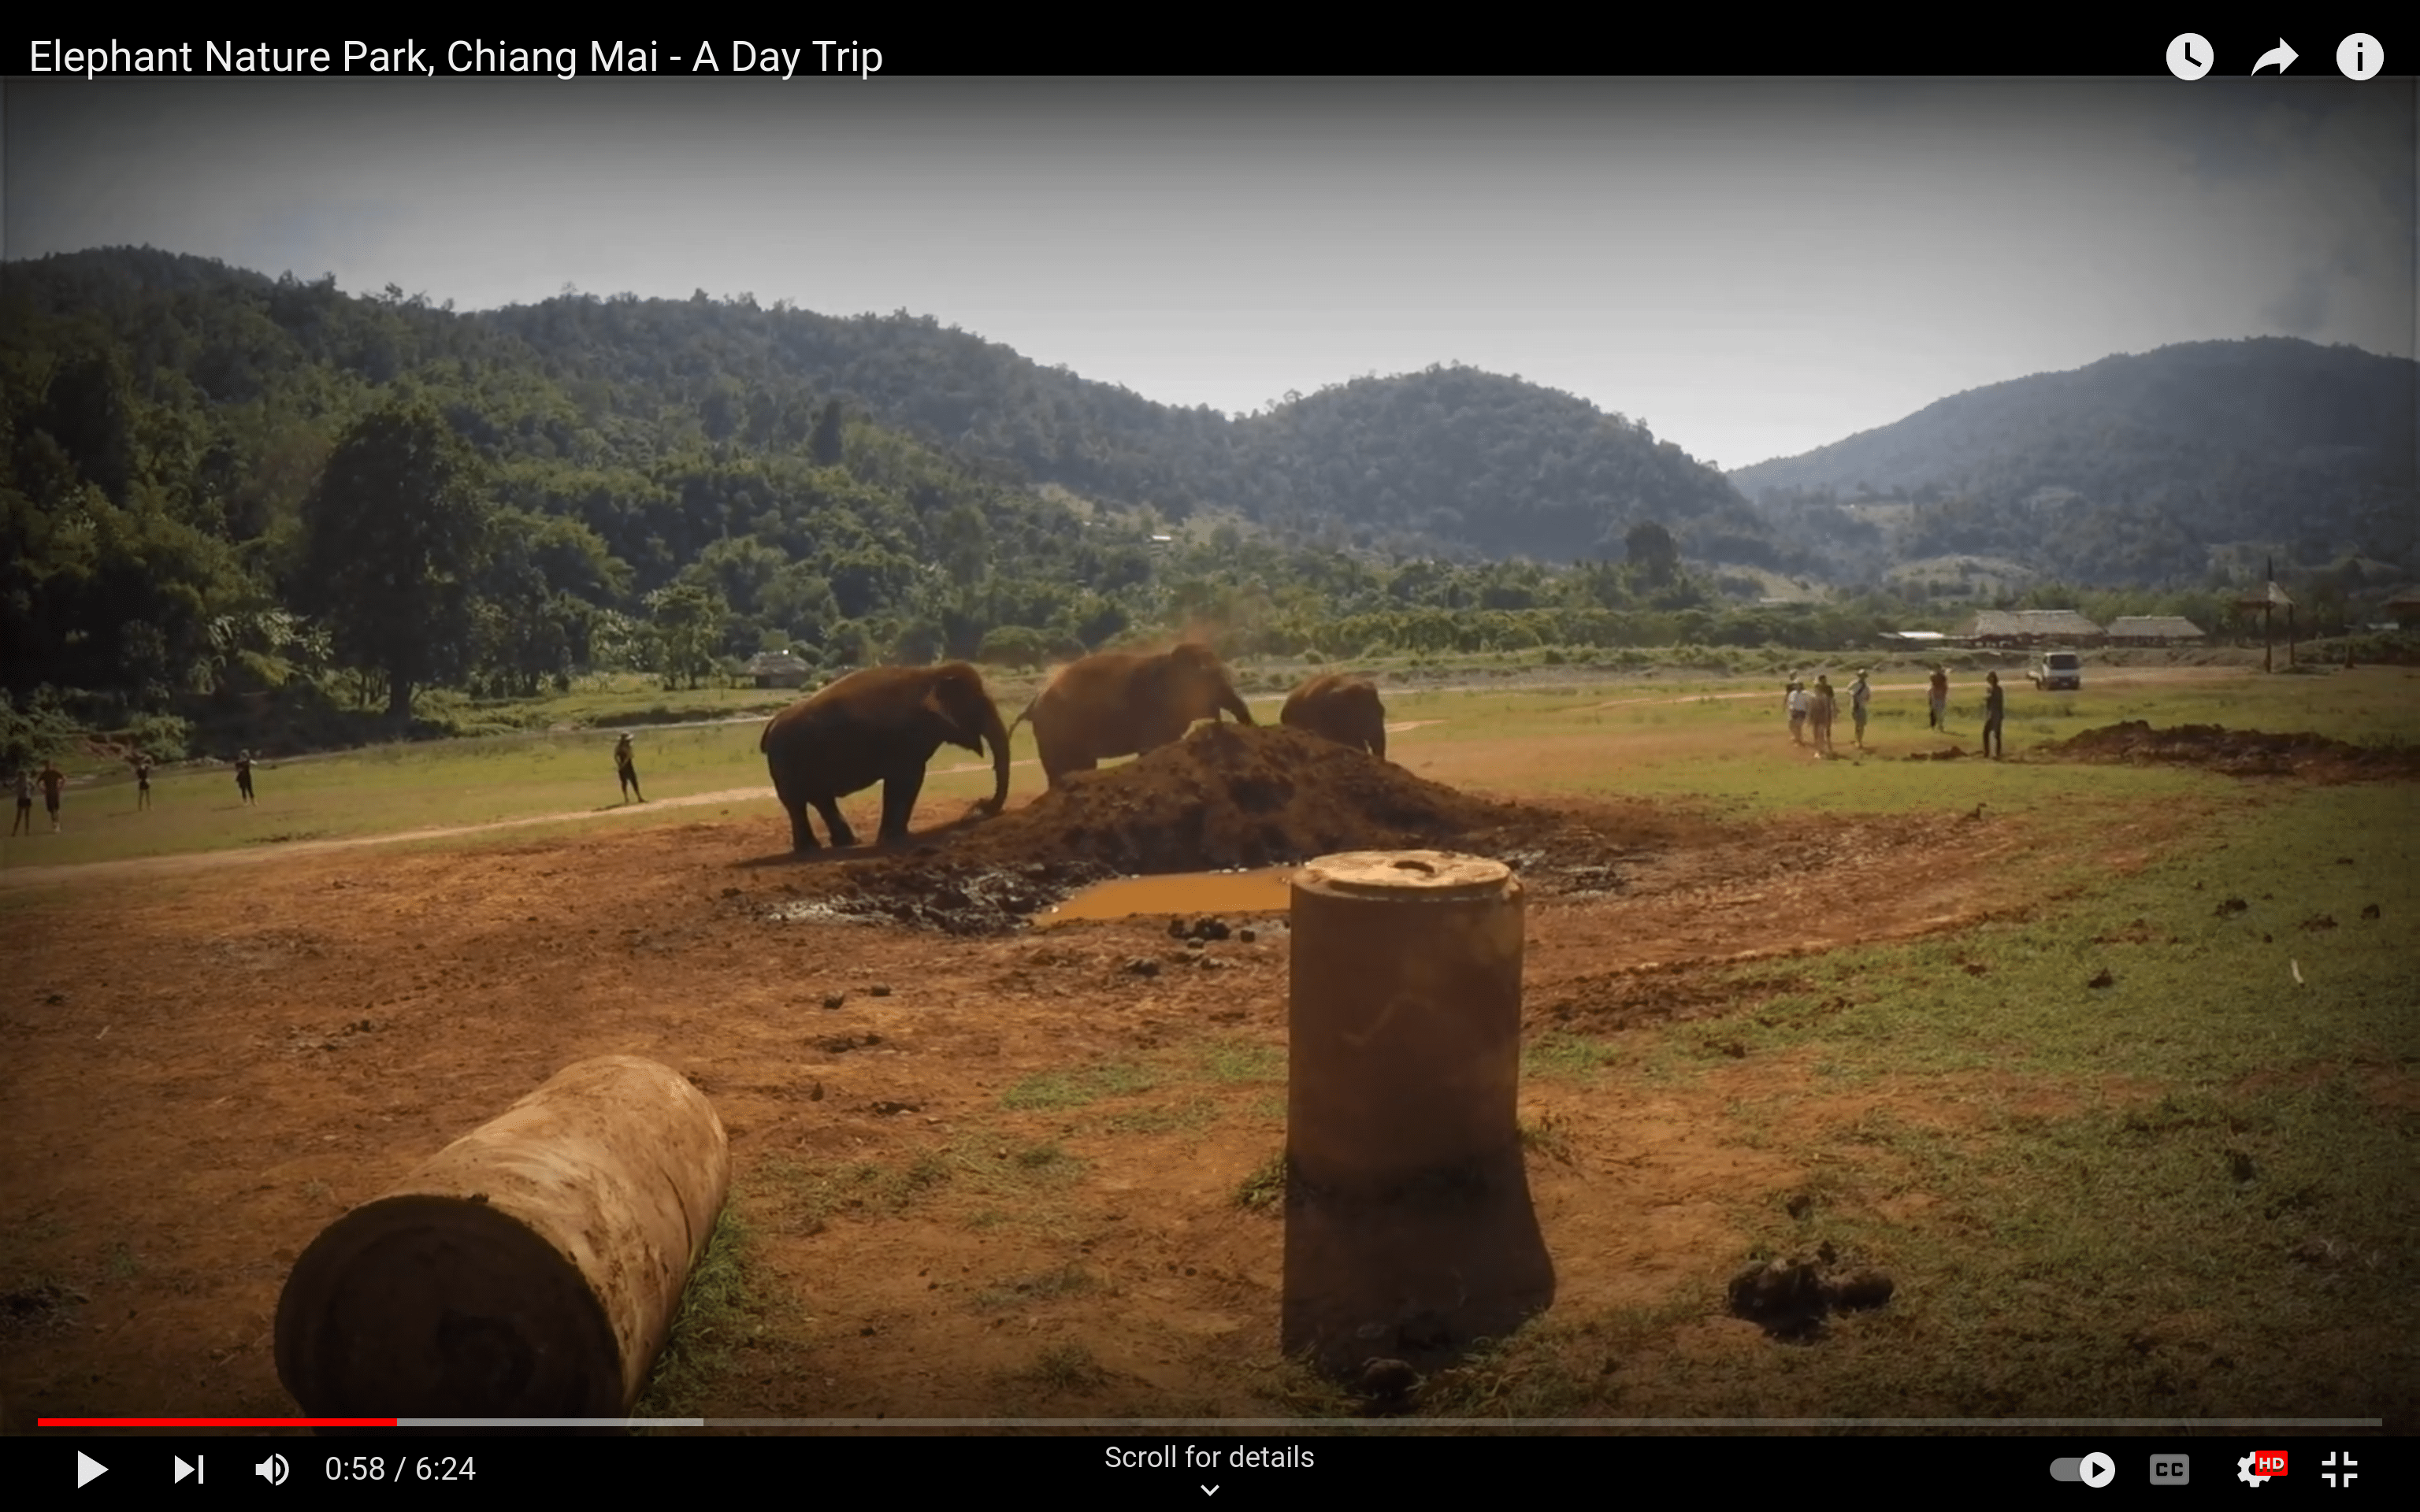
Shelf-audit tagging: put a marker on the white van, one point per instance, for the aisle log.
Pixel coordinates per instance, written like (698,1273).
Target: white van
(2058,670)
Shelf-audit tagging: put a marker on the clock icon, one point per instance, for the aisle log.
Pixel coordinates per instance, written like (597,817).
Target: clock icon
(2189,55)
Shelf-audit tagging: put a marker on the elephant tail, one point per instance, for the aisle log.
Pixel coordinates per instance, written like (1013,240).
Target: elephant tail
(1023,718)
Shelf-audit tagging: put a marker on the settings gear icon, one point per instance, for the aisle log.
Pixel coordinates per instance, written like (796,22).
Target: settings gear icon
(2244,1472)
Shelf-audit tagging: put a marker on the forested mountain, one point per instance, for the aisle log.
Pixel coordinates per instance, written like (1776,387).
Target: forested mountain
(2131,469)
(1450,461)
(220,486)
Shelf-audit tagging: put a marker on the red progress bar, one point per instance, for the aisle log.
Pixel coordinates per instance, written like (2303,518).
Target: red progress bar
(215,1422)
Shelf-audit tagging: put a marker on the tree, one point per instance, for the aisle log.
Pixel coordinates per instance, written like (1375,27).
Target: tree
(1653,552)
(825,445)
(689,619)
(394,533)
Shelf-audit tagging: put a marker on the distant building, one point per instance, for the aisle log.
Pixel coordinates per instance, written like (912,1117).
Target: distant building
(2154,630)
(2405,611)
(779,669)
(2034,627)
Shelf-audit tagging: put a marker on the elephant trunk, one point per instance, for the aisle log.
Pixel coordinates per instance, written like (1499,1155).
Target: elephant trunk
(998,734)
(1232,703)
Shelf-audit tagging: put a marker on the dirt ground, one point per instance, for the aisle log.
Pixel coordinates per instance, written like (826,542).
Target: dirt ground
(202,1072)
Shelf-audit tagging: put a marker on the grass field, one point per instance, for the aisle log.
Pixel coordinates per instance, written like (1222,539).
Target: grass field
(1708,737)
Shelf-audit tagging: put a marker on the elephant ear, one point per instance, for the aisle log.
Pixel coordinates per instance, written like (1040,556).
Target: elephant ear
(949,704)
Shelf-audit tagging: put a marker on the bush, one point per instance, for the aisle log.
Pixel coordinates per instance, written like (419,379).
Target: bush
(162,738)
(32,735)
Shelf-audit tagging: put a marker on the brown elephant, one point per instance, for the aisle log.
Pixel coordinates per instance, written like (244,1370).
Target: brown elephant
(1123,703)
(1344,709)
(880,725)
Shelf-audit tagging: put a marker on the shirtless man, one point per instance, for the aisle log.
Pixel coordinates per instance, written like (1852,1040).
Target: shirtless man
(625,763)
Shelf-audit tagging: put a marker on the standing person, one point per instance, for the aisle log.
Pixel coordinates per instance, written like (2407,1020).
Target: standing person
(626,764)
(1861,698)
(24,802)
(1820,713)
(1939,718)
(142,780)
(1996,707)
(243,774)
(51,780)
(1796,702)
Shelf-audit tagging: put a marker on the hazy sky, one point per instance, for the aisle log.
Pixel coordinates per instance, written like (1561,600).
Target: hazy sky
(1755,268)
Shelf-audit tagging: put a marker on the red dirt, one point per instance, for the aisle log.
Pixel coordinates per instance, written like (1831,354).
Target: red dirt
(200,1071)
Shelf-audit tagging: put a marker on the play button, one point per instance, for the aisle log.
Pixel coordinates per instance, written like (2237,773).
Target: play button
(87,1466)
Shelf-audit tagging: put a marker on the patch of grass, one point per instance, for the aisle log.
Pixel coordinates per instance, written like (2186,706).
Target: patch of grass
(1239,1060)
(1058,1090)
(1263,1190)
(122,1264)
(1546,1135)
(809,1199)
(1299,1389)
(1062,1367)
(1575,1056)
(719,1312)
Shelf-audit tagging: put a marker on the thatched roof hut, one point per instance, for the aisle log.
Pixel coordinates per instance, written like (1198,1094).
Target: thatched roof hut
(2033,628)
(779,669)
(2154,630)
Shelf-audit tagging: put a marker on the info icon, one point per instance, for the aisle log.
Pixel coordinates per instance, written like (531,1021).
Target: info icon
(2359,57)
(2189,55)
(2171,1470)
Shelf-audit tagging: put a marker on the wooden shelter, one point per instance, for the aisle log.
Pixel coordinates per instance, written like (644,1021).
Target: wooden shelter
(2034,627)
(2154,630)
(779,669)
(2266,602)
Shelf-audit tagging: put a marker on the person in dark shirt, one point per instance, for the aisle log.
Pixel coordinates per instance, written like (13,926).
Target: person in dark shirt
(243,774)
(1995,708)
(51,780)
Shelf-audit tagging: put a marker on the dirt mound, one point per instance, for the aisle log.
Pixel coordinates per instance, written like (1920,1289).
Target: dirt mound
(1227,795)
(2238,752)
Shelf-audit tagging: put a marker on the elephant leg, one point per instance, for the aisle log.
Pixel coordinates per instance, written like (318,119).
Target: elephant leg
(899,791)
(802,835)
(840,833)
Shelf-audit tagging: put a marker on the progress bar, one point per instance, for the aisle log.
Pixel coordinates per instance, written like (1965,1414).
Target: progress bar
(1290,1423)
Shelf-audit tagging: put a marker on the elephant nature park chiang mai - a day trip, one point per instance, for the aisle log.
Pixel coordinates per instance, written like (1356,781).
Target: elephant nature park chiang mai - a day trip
(757,911)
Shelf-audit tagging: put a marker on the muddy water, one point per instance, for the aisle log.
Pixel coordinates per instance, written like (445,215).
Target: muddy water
(1265,891)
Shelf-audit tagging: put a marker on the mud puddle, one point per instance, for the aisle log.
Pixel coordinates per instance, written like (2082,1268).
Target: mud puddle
(1268,891)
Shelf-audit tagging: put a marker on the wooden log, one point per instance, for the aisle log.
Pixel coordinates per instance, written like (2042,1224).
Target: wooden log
(530,1269)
